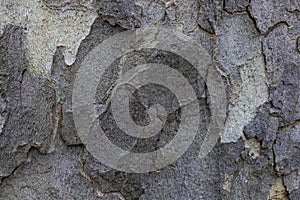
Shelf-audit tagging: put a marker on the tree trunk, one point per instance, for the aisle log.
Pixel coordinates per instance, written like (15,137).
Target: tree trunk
(254,47)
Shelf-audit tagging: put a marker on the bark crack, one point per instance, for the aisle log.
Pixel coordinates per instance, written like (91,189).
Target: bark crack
(95,183)
(289,126)
(14,171)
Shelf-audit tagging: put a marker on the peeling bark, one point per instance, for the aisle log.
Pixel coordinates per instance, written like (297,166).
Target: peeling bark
(255,47)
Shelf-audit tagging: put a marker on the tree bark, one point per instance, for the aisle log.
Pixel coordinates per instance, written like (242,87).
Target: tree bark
(255,47)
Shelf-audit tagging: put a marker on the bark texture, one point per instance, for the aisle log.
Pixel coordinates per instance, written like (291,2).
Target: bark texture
(255,45)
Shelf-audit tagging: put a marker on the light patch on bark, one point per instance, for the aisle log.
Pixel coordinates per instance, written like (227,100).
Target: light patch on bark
(254,147)
(249,92)
(278,191)
(47,28)
(227,182)
(2,120)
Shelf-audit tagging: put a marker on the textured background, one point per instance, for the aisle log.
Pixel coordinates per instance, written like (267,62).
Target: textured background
(254,44)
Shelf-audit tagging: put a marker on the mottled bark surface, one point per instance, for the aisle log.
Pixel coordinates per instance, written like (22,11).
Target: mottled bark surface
(254,44)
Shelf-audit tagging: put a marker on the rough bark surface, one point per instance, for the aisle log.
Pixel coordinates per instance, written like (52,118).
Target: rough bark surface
(255,44)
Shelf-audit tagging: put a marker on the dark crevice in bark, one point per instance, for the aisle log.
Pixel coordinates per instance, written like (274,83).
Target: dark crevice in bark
(298,44)
(249,10)
(95,183)
(212,34)
(278,24)
(22,163)
(289,126)
(270,29)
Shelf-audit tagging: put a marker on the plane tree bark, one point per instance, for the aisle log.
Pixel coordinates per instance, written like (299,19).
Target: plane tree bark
(255,45)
